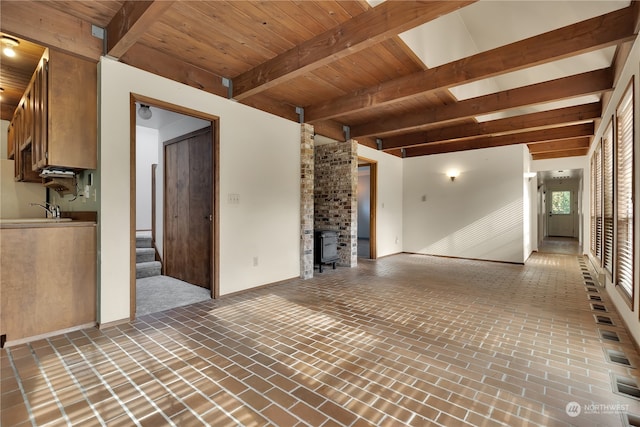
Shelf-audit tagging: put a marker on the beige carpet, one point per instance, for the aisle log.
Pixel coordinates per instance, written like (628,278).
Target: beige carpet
(159,293)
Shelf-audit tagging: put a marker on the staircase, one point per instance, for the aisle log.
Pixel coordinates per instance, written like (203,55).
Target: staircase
(146,264)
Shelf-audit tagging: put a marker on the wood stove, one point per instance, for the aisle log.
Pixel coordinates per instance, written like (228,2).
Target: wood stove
(326,248)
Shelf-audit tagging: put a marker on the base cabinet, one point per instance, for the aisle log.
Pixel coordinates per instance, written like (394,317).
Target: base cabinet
(48,279)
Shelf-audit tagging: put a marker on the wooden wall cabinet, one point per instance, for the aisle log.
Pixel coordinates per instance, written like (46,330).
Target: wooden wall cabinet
(11,141)
(65,112)
(21,131)
(56,122)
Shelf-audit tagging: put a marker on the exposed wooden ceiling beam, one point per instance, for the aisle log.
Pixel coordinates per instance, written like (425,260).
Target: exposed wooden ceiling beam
(156,62)
(567,87)
(41,24)
(565,144)
(635,4)
(567,132)
(550,118)
(560,154)
(596,33)
(367,29)
(131,22)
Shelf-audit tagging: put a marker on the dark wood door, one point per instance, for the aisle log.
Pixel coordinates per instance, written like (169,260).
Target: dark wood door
(188,211)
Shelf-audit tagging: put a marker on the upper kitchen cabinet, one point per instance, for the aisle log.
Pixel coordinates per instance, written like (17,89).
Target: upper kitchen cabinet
(65,123)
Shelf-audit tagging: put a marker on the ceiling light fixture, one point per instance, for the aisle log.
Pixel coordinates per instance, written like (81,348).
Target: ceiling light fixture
(8,45)
(144,112)
(453,174)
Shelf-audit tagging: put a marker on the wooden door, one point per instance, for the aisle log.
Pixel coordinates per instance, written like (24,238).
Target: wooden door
(188,208)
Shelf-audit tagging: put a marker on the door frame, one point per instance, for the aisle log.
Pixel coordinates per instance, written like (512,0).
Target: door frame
(373,203)
(574,217)
(215,196)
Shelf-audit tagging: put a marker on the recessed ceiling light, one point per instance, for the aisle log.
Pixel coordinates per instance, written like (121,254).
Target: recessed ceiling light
(8,45)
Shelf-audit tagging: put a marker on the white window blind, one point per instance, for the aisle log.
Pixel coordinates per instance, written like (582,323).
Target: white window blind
(596,203)
(592,207)
(607,182)
(624,194)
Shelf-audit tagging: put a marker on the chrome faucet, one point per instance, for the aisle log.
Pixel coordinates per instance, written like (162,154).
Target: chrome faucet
(54,210)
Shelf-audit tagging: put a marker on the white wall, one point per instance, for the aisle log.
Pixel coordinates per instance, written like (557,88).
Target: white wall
(480,215)
(146,155)
(630,71)
(260,162)
(389,204)
(530,191)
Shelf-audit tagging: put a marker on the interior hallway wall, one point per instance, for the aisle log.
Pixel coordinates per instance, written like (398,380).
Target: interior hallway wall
(630,73)
(480,215)
(389,209)
(146,155)
(259,235)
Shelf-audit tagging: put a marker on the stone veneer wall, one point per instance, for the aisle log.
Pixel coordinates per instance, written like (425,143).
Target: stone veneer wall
(306,200)
(336,198)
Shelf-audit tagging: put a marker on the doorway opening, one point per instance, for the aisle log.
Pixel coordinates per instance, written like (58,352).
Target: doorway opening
(367,202)
(560,211)
(174,180)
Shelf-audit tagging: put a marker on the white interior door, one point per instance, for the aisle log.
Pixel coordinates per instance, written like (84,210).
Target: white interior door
(561,213)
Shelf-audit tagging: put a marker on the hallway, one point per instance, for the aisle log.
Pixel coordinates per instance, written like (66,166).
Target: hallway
(560,245)
(404,340)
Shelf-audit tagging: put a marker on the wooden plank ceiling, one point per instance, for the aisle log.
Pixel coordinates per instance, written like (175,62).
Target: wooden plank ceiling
(343,62)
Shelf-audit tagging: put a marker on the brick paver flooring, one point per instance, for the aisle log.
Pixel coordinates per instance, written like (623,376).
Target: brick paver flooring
(404,340)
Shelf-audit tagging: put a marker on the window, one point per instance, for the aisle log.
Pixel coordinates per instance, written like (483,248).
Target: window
(607,184)
(561,202)
(624,195)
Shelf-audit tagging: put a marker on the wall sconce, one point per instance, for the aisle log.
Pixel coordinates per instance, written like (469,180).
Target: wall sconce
(144,112)
(453,174)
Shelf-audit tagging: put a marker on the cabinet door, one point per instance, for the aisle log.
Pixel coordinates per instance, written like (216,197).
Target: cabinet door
(27,118)
(11,140)
(17,122)
(39,146)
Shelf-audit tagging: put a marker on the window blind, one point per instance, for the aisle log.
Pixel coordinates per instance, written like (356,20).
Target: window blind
(597,202)
(624,194)
(592,207)
(607,182)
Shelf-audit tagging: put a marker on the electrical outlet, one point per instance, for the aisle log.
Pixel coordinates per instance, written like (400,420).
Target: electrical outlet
(255,261)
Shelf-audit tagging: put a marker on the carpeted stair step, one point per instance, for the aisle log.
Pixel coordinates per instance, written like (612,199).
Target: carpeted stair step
(148,269)
(145,255)
(143,242)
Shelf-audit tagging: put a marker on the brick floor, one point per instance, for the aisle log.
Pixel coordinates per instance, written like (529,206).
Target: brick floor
(404,340)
